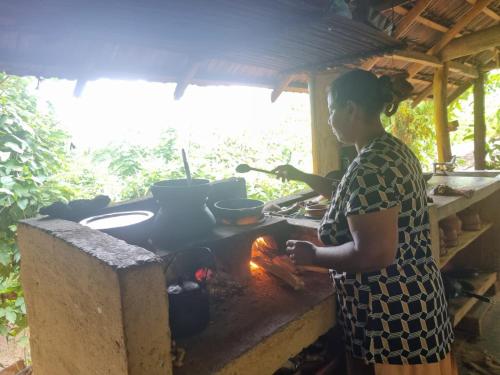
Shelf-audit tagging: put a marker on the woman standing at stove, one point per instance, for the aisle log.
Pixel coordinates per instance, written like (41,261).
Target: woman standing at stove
(376,237)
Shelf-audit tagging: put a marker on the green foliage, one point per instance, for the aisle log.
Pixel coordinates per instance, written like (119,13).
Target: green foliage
(33,155)
(415,127)
(462,110)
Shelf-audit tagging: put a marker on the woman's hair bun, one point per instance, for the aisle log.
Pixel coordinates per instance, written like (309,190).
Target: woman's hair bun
(393,90)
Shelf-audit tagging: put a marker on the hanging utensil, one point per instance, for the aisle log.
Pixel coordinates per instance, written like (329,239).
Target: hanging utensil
(244,168)
(186,167)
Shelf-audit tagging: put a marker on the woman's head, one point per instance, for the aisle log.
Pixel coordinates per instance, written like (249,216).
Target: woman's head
(357,98)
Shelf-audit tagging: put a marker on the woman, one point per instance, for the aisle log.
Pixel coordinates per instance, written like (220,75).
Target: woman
(376,241)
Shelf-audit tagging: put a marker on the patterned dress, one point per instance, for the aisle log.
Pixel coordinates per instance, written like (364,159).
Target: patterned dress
(397,315)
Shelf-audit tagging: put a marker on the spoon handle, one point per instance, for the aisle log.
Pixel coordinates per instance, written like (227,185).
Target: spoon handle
(186,167)
(262,170)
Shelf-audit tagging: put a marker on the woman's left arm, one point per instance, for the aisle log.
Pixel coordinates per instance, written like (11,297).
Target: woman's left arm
(374,245)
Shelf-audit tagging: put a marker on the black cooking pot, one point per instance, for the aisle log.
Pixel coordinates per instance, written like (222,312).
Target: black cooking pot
(235,210)
(183,213)
(188,297)
(133,227)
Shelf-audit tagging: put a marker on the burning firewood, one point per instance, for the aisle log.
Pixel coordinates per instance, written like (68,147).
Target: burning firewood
(282,272)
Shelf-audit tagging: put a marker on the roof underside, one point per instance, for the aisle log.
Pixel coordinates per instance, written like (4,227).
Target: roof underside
(229,41)
(269,43)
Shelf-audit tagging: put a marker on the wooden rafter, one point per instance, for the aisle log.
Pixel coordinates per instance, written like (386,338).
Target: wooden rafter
(422,20)
(452,32)
(281,86)
(432,61)
(489,12)
(458,91)
(403,26)
(472,43)
(422,95)
(184,81)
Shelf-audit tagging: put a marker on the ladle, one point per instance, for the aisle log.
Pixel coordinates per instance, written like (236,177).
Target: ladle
(244,168)
(186,167)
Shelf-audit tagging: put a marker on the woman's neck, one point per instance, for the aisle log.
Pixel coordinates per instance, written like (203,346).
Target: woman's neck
(371,131)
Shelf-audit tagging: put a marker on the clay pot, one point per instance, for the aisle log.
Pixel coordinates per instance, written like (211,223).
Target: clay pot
(183,214)
(451,222)
(471,220)
(451,237)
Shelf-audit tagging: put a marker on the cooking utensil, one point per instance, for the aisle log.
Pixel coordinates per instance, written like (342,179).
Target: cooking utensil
(131,226)
(244,168)
(186,167)
(189,306)
(239,211)
(455,288)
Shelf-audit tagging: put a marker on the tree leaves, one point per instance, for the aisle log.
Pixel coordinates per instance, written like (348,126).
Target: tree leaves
(32,153)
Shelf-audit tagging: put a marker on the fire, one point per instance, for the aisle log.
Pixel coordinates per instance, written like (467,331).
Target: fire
(254,266)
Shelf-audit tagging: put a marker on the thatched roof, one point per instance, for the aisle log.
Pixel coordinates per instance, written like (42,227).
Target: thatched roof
(270,43)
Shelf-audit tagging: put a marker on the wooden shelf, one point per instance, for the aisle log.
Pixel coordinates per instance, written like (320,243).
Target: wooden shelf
(464,240)
(459,307)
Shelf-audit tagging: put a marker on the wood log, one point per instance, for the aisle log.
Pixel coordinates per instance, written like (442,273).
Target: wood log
(441,114)
(479,124)
(471,44)
(280,272)
(325,147)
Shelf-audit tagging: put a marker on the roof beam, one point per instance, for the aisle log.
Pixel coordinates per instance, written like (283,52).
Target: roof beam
(458,92)
(403,26)
(459,26)
(281,86)
(410,18)
(432,61)
(489,12)
(472,44)
(452,32)
(184,81)
(422,95)
(422,20)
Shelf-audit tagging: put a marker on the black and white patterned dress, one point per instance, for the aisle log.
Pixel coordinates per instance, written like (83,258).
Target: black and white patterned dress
(397,315)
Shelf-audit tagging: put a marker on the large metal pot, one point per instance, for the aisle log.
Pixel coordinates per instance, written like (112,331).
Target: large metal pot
(237,211)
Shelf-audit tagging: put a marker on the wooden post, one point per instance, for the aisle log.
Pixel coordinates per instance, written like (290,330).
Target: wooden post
(325,147)
(479,124)
(441,114)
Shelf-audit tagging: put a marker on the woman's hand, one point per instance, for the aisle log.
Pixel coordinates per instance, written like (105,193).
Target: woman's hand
(302,253)
(287,172)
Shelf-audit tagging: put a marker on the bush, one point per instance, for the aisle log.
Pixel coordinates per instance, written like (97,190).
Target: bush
(33,156)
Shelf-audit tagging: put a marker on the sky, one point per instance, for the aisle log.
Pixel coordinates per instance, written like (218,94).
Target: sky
(136,111)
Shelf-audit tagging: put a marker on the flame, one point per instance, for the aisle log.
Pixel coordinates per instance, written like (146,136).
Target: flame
(254,266)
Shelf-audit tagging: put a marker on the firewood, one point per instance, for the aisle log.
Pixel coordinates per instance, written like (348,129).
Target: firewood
(14,368)
(280,272)
(312,269)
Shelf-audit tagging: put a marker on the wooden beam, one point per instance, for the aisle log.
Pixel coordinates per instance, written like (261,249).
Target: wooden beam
(325,147)
(490,66)
(466,70)
(479,124)
(79,87)
(422,95)
(458,91)
(281,86)
(489,12)
(441,114)
(422,20)
(416,57)
(402,28)
(459,26)
(410,18)
(452,32)
(184,81)
(432,61)
(472,43)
